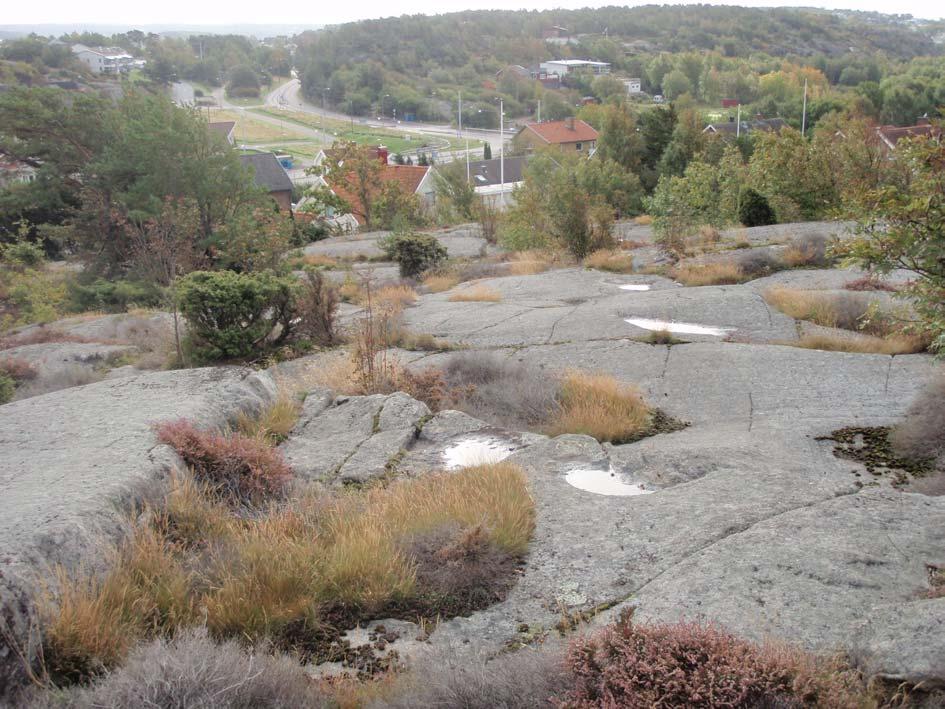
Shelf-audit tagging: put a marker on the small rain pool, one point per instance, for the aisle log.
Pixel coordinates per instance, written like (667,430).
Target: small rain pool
(479,450)
(680,327)
(635,286)
(604,482)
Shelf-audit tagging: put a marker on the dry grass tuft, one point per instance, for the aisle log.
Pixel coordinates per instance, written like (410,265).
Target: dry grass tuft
(826,309)
(350,291)
(476,294)
(710,274)
(395,298)
(922,433)
(439,282)
(643,220)
(319,261)
(276,421)
(613,260)
(529,263)
(599,405)
(865,344)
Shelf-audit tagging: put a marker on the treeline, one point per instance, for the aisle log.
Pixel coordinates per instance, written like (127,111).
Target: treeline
(416,64)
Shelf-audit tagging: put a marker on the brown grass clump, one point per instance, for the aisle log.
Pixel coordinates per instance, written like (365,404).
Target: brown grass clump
(276,421)
(439,282)
(319,261)
(529,263)
(350,291)
(476,294)
(599,405)
(710,274)
(643,220)
(237,466)
(43,335)
(826,309)
(864,344)
(613,260)
(395,298)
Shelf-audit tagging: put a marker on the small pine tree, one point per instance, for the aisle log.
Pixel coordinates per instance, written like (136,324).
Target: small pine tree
(754,210)
(486,151)
(422,160)
(397,159)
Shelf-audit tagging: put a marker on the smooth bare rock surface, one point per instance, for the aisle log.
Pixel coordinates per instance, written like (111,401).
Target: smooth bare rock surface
(460,242)
(351,439)
(60,365)
(68,456)
(904,642)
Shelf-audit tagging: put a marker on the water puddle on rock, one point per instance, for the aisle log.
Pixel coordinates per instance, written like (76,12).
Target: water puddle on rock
(480,450)
(635,287)
(604,482)
(680,327)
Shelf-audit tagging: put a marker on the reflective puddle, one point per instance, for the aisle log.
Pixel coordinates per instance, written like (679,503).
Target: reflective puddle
(634,286)
(481,450)
(604,482)
(680,327)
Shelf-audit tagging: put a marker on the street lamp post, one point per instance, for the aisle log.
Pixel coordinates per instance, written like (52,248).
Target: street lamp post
(502,144)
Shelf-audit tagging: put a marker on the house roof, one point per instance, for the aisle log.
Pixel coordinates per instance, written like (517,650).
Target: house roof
(765,125)
(489,172)
(409,177)
(268,172)
(566,131)
(891,135)
(224,128)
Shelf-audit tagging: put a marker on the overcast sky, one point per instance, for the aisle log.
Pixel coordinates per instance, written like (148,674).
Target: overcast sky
(295,12)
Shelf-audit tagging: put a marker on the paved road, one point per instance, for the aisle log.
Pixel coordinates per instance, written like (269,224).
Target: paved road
(182,93)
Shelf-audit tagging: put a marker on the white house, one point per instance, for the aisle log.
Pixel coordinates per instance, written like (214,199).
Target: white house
(104,60)
(563,67)
(634,86)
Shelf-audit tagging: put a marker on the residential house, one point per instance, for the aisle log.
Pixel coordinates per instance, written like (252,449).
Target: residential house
(634,86)
(104,60)
(889,136)
(13,171)
(487,176)
(571,135)
(224,128)
(732,128)
(269,174)
(565,67)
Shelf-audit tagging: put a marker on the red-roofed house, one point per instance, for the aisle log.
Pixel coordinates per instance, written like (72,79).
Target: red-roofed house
(890,136)
(413,179)
(571,134)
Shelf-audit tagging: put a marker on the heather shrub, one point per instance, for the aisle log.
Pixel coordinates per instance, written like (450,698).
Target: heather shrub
(755,264)
(236,466)
(231,315)
(499,390)
(691,665)
(414,253)
(754,210)
(922,433)
(191,670)
(17,369)
(871,282)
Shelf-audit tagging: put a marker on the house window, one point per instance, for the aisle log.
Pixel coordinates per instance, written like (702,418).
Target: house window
(577,146)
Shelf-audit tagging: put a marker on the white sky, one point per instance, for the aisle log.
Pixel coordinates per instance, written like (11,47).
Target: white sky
(301,12)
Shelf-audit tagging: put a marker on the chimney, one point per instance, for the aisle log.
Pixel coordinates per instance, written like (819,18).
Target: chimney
(382,154)
(569,123)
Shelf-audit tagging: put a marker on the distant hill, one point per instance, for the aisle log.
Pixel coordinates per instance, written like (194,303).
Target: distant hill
(168,29)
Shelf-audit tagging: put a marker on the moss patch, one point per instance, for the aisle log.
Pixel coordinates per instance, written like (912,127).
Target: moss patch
(870,446)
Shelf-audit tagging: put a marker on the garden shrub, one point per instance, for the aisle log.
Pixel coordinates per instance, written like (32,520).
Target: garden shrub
(316,305)
(414,253)
(230,315)
(113,296)
(240,466)
(755,210)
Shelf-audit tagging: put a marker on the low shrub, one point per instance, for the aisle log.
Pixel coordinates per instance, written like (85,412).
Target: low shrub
(232,315)
(316,307)
(613,260)
(600,406)
(662,337)
(499,390)
(709,274)
(476,294)
(922,433)
(754,209)
(414,253)
(758,263)
(871,282)
(690,665)
(39,336)
(18,369)
(7,387)
(236,466)
(809,250)
(114,296)
(191,670)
